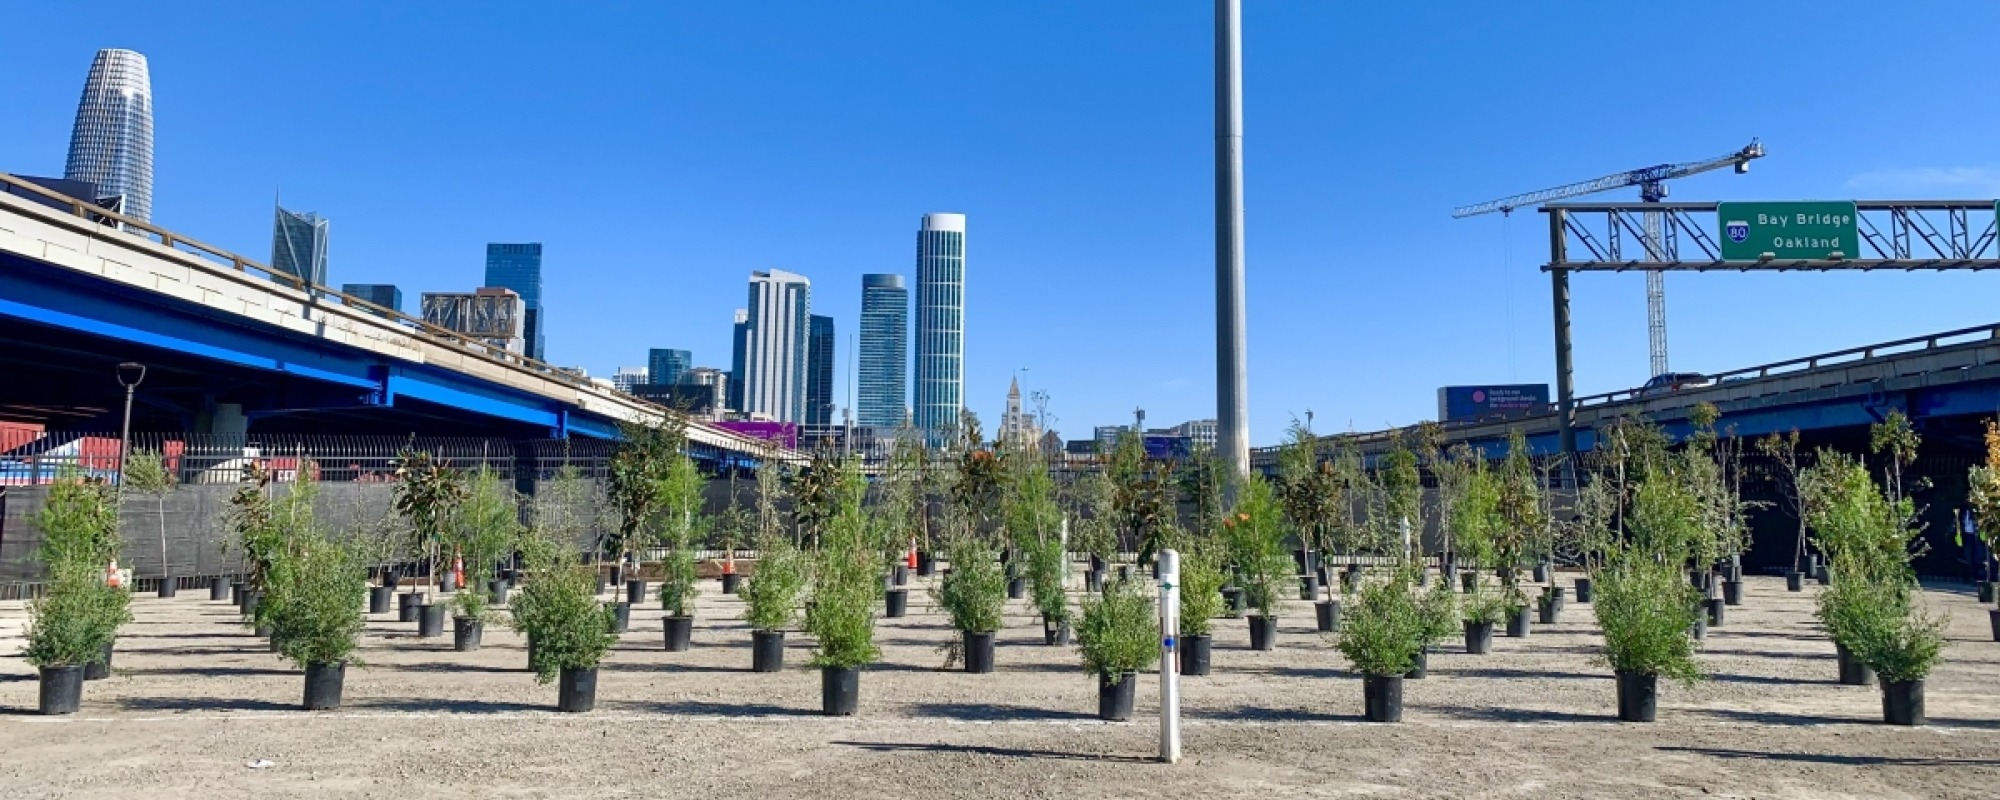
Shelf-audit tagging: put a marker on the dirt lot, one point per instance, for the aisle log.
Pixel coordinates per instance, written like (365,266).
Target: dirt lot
(195,698)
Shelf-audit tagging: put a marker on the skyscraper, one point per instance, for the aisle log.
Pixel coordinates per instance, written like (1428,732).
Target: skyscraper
(819,371)
(739,354)
(667,366)
(519,267)
(940,391)
(627,377)
(112,143)
(775,338)
(298,245)
(385,295)
(884,390)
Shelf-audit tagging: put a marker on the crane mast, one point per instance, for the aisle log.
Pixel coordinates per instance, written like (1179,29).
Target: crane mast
(1652,189)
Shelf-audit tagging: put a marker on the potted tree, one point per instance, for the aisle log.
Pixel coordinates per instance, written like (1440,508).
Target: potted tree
(637,491)
(1383,636)
(1645,610)
(846,588)
(682,523)
(1437,605)
(1984,496)
(1046,564)
(973,592)
(1484,608)
(1201,601)
(487,525)
(770,596)
(427,494)
(316,590)
(568,630)
(1254,537)
(1120,636)
(72,625)
(146,472)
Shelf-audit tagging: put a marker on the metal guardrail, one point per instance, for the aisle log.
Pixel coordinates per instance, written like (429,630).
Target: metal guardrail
(1848,357)
(219,259)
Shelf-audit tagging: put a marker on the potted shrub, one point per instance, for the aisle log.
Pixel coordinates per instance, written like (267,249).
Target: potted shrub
(1120,635)
(769,599)
(846,588)
(681,524)
(1201,601)
(1437,605)
(1382,636)
(486,527)
(1645,610)
(1045,571)
(1254,537)
(1483,610)
(1984,496)
(427,494)
(678,588)
(568,631)
(74,623)
(973,593)
(316,591)
(1901,642)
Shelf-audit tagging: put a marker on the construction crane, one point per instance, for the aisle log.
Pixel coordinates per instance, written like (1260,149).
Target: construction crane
(1652,183)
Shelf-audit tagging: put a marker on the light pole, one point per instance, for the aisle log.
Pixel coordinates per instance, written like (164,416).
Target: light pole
(130,375)
(1232,385)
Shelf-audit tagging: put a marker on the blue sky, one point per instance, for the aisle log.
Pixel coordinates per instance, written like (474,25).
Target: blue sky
(662,151)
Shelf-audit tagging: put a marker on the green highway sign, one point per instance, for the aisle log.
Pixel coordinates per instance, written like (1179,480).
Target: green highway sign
(1812,231)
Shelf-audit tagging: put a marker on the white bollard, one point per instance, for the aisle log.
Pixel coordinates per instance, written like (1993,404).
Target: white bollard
(1170,666)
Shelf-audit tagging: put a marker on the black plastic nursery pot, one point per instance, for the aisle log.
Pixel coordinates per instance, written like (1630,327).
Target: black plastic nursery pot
(1585,590)
(1517,622)
(1732,593)
(901,575)
(236,591)
(767,651)
(430,620)
(1993,617)
(61,689)
(465,633)
(1795,581)
(1194,654)
(323,685)
(678,631)
(1986,591)
(1420,666)
(1124,572)
(168,586)
(1309,587)
(1263,632)
(1903,702)
(635,592)
(1350,581)
(99,670)
(1541,573)
(1382,698)
(926,565)
(731,582)
(1326,614)
(839,691)
(1547,611)
(1638,697)
(1055,635)
(1852,671)
(1114,700)
(407,604)
(1017,588)
(496,592)
(218,588)
(602,584)
(978,651)
(1093,581)
(1823,575)
(1468,581)
(251,597)
(621,617)
(898,602)
(1699,630)
(1478,637)
(1716,615)
(576,689)
(380,599)
(1233,602)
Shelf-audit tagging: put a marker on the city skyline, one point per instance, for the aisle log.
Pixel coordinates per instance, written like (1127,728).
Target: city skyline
(111,143)
(666,365)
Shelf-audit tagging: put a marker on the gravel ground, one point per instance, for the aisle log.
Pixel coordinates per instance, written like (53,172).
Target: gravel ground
(195,697)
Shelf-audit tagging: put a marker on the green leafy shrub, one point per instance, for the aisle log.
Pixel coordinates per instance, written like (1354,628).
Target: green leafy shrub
(1201,590)
(485,528)
(975,591)
(1646,608)
(1119,632)
(316,593)
(847,583)
(1383,629)
(559,613)
(1485,605)
(78,615)
(1255,538)
(678,582)
(1438,608)
(1896,638)
(1045,574)
(771,593)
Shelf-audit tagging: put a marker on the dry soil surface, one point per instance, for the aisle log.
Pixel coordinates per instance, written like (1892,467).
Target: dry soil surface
(195,699)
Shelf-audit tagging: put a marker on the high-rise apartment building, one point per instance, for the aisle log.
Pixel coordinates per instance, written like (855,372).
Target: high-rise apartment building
(1201,432)
(776,334)
(819,371)
(112,143)
(627,377)
(298,246)
(739,353)
(940,330)
(665,367)
(494,314)
(386,295)
(519,267)
(884,385)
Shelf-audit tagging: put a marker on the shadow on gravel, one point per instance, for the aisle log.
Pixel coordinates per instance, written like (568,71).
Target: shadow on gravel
(993,712)
(1821,758)
(1261,714)
(1506,673)
(1309,672)
(1828,656)
(1987,724)
(1513,714)
(203,704)
(448,667)
(997,752)
(669,667)
(212,672)
(1779,717)
(710,709)
(433,705)
(1766,680)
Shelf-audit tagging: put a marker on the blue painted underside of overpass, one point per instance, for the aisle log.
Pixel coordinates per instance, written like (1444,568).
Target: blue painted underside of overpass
(61,333)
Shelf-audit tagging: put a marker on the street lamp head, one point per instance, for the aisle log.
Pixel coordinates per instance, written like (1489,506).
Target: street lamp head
(130,374)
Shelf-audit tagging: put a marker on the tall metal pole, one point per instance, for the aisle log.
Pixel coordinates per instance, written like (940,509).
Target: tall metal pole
(1170,671)
(1565,376)
(1232,383)
(138,373)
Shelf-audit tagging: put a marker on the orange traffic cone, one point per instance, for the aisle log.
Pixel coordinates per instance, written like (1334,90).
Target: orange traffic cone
(912,557)
(111,576)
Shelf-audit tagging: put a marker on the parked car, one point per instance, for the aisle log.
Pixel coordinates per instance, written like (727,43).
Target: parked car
(1667,382)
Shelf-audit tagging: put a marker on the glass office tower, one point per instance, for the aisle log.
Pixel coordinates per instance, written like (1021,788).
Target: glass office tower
(519,267)
(940,389)
(884,390)
(112,143)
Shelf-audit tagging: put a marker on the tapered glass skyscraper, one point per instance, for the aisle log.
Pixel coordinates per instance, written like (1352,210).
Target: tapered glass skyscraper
(519,267)
(884,382)
(298,245)
(112,143)
(940,389)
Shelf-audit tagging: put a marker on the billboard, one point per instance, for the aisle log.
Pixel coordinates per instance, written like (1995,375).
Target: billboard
(1462,403)
(785,434)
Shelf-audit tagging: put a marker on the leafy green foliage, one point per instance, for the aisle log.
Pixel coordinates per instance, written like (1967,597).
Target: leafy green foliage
(639,470)
(1437,608)
(771,593)
(1383,629)
(1312,491)
(79,524)
(1254,537)
(847,581)
(1873,606)
(1142,494)
(428,493)
(975,590)
(1045,578)
(1201,589)
(678,582)
(316,595)
(1485,605)
(146,472)
(1095,531)
(78,614)
(1889,631)
(1646,608)
(1119,632)
(486,528)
